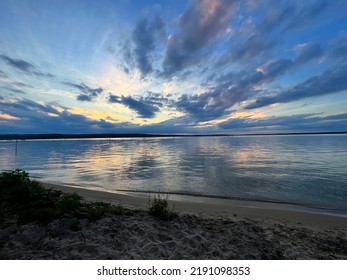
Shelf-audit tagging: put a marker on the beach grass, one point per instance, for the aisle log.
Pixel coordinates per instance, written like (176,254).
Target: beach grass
(159,207)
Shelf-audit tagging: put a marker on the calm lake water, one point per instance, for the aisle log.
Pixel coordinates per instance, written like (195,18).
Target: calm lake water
(304,170)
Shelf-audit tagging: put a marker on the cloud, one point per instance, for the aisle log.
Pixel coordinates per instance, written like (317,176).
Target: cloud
(233,88)
(145,107)
(26,116)
(31,117)
(12,89)
(200,24)
(331,81)
(294,123)
(338,49)
(140,49)
(8,85)
(276,15)
(145,37)
(306,12)
(211,104)
(255,45)
(24,66)
(19,64)
(308,52)
(285,15)
(86,93)
(217,101)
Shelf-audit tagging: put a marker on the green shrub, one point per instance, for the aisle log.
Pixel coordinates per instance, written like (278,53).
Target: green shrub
(30,201)
(158,207)
(16,189)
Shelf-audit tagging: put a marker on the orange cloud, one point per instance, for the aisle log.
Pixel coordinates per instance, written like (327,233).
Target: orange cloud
(8,117)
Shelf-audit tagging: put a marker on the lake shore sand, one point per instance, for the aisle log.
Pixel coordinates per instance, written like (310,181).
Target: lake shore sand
(209,229)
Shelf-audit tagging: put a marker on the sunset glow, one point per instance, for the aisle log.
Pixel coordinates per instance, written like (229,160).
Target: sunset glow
(173,66)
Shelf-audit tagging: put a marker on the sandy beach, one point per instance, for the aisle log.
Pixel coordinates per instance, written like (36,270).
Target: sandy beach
(212,229)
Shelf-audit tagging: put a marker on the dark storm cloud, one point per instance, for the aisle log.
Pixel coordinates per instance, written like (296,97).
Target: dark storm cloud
(24,66)
(332,81)
(305,122)
(145,107)
(86,93)
(199,25)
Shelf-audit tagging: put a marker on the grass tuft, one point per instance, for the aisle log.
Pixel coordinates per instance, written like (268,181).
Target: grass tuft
(159,207)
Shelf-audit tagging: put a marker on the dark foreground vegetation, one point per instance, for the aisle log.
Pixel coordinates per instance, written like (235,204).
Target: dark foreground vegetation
(39,223)
(28,201)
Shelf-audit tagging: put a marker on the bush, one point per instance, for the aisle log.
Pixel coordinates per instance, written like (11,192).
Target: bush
(158,207)
(16,189)
(29,201)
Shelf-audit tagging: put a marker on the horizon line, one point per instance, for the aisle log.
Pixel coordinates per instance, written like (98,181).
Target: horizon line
(33,136)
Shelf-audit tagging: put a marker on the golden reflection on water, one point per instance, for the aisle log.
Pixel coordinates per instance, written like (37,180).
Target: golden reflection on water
(232,166)
(114,155)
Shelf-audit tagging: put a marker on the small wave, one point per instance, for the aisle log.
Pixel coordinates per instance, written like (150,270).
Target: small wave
(237,198)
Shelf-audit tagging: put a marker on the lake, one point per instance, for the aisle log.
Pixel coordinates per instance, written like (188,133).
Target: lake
(306,170)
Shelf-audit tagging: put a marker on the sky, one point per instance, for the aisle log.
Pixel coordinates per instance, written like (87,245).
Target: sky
(209,66)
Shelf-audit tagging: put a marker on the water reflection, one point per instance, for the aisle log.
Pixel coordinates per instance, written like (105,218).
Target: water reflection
(305,169)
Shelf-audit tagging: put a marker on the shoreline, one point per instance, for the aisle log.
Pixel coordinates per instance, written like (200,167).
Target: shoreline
(202,230)
(216,208)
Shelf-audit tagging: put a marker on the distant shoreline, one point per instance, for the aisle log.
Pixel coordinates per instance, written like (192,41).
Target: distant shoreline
(51,136)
